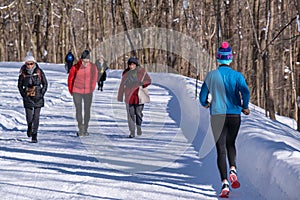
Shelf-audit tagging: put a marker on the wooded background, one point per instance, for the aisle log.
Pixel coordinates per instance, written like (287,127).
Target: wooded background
(264,35)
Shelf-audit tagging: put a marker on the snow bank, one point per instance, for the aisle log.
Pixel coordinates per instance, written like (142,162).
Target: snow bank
(267,151)
(270,164)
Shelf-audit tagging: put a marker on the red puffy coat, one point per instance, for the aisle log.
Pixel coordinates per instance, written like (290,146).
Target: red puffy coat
(131,80)
(82,79)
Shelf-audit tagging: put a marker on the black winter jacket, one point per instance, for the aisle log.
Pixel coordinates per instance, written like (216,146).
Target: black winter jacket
(37,79)
(101,70)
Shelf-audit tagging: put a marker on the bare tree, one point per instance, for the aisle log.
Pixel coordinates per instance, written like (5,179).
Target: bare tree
(268,67)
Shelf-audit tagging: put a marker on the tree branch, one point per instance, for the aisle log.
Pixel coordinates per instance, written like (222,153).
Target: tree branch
(277,35)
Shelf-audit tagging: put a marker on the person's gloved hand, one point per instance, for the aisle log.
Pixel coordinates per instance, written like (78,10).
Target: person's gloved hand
(246,111)
(207,106)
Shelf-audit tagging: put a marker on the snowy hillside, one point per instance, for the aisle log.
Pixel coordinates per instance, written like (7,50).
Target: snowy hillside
(173,159)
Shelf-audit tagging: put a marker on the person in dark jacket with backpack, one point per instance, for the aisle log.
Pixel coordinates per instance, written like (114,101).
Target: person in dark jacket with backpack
(82,81)
(32,85)
(69,59)
(102,67)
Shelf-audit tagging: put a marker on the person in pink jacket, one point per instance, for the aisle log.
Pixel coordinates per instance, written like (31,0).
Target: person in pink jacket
(82,81)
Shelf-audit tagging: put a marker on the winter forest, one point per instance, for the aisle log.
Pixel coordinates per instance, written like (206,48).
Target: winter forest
(173,36)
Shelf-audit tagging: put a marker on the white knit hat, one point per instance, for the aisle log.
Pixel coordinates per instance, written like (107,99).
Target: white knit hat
(29,58)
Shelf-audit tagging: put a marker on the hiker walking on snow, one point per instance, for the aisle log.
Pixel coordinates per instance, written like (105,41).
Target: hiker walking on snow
(69,59)
(102,67)
(82,81)
(131,81)
(32,85)
(229,97)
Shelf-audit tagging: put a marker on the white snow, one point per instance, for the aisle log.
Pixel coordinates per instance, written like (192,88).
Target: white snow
(174,158)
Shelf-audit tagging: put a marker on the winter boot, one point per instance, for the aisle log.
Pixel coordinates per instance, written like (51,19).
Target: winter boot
(139,130)
(29,130)
(85,130)
(233,179)
(225,190)
(131,135)
(81,130)
(34,137)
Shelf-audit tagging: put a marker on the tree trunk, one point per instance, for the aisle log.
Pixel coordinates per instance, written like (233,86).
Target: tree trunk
(113,13)
(53,35)
(255,79)
(269,66)
(29,30)
(125,27)
(87,25)
(47,33)
(293,88)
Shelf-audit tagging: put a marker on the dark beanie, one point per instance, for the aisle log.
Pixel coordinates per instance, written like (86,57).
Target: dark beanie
(85,54)
(133,60)
(224,55)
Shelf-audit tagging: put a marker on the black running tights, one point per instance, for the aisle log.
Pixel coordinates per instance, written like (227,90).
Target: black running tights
(225,129)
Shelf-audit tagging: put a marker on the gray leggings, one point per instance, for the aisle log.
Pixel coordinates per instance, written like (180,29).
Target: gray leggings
(134,115)
(86,99)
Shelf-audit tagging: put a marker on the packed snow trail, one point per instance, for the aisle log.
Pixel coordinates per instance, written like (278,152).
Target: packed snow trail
(163,163)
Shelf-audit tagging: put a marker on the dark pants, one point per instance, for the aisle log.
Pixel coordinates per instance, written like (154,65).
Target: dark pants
(225,129)
(134,116)
(100,85)
(33,118)
(68,66)
(87,100)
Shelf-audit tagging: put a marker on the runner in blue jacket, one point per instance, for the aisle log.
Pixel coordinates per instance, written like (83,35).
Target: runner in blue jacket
(226,93)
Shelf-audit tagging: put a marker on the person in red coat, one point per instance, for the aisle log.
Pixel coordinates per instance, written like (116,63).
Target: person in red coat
(82,81)
(131,80)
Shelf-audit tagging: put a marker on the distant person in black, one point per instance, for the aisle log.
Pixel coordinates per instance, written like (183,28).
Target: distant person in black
(102,67)
(69,61)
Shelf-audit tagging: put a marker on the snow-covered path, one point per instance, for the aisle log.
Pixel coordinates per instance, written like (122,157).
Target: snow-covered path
(104,165)
(166,162)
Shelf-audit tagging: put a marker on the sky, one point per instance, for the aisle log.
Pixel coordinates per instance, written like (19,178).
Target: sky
(174,158)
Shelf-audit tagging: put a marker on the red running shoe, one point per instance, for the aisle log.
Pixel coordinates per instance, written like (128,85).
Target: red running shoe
(233,179)
(225,191)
